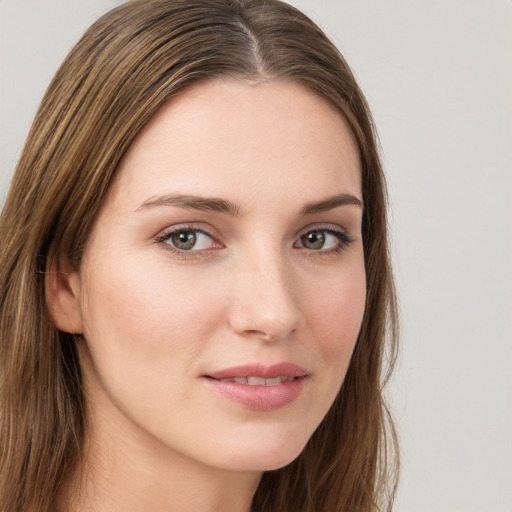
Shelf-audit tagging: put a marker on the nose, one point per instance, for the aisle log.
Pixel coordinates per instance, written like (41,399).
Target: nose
(264,299)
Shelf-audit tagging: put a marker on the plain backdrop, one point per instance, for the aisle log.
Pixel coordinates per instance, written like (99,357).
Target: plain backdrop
(438,77)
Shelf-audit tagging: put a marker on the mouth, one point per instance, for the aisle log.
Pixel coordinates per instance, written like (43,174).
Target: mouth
(259,387)
(259,381)
(260,374)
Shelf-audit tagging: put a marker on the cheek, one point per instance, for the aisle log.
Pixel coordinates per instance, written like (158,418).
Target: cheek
(145,311)
(335,314)
(144,337)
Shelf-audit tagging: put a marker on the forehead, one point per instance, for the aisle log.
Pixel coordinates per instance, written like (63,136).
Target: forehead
(230,137)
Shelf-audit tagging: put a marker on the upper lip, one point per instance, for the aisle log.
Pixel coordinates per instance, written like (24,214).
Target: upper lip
(260,370)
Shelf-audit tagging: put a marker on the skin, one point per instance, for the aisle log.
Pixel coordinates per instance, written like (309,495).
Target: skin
(155,321)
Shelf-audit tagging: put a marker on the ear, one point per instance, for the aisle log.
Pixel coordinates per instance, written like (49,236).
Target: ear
(62,288)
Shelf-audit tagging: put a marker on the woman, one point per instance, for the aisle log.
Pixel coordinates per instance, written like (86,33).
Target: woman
(195,283)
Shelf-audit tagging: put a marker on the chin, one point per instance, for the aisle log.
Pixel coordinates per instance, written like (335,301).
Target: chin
(264,457)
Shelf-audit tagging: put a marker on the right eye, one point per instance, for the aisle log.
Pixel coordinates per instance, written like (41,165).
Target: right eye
(188,240)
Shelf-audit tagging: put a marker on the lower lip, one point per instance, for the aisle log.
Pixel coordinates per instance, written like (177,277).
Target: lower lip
(259,398)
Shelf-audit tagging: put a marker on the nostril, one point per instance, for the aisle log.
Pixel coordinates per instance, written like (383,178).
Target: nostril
(257,333)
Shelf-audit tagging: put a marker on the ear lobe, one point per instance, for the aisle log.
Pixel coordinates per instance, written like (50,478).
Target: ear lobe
(62,288)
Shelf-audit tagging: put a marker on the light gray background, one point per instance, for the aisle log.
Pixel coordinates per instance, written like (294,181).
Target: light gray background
(438,76)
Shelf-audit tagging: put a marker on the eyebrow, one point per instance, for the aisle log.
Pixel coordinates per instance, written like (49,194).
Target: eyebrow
(191,202)
(218,205)
(329,203)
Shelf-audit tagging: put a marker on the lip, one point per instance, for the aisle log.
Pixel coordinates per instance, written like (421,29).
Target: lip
(256,397)
(260,370)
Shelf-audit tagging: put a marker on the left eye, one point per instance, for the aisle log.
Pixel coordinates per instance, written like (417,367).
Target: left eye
(323,240)
(189,240)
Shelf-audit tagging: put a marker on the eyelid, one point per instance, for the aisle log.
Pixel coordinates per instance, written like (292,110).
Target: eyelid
(333,228)
(345,239)
(164,235)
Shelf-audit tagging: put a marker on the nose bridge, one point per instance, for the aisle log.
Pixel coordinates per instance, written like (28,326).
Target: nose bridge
(264,302)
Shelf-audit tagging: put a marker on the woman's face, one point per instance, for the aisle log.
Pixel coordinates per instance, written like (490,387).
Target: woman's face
(222,288)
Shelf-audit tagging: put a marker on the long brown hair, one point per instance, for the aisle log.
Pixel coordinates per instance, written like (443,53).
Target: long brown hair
(129,63)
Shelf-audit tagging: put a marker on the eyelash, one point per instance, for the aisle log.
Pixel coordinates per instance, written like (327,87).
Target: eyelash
(344,240)
(164,237)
